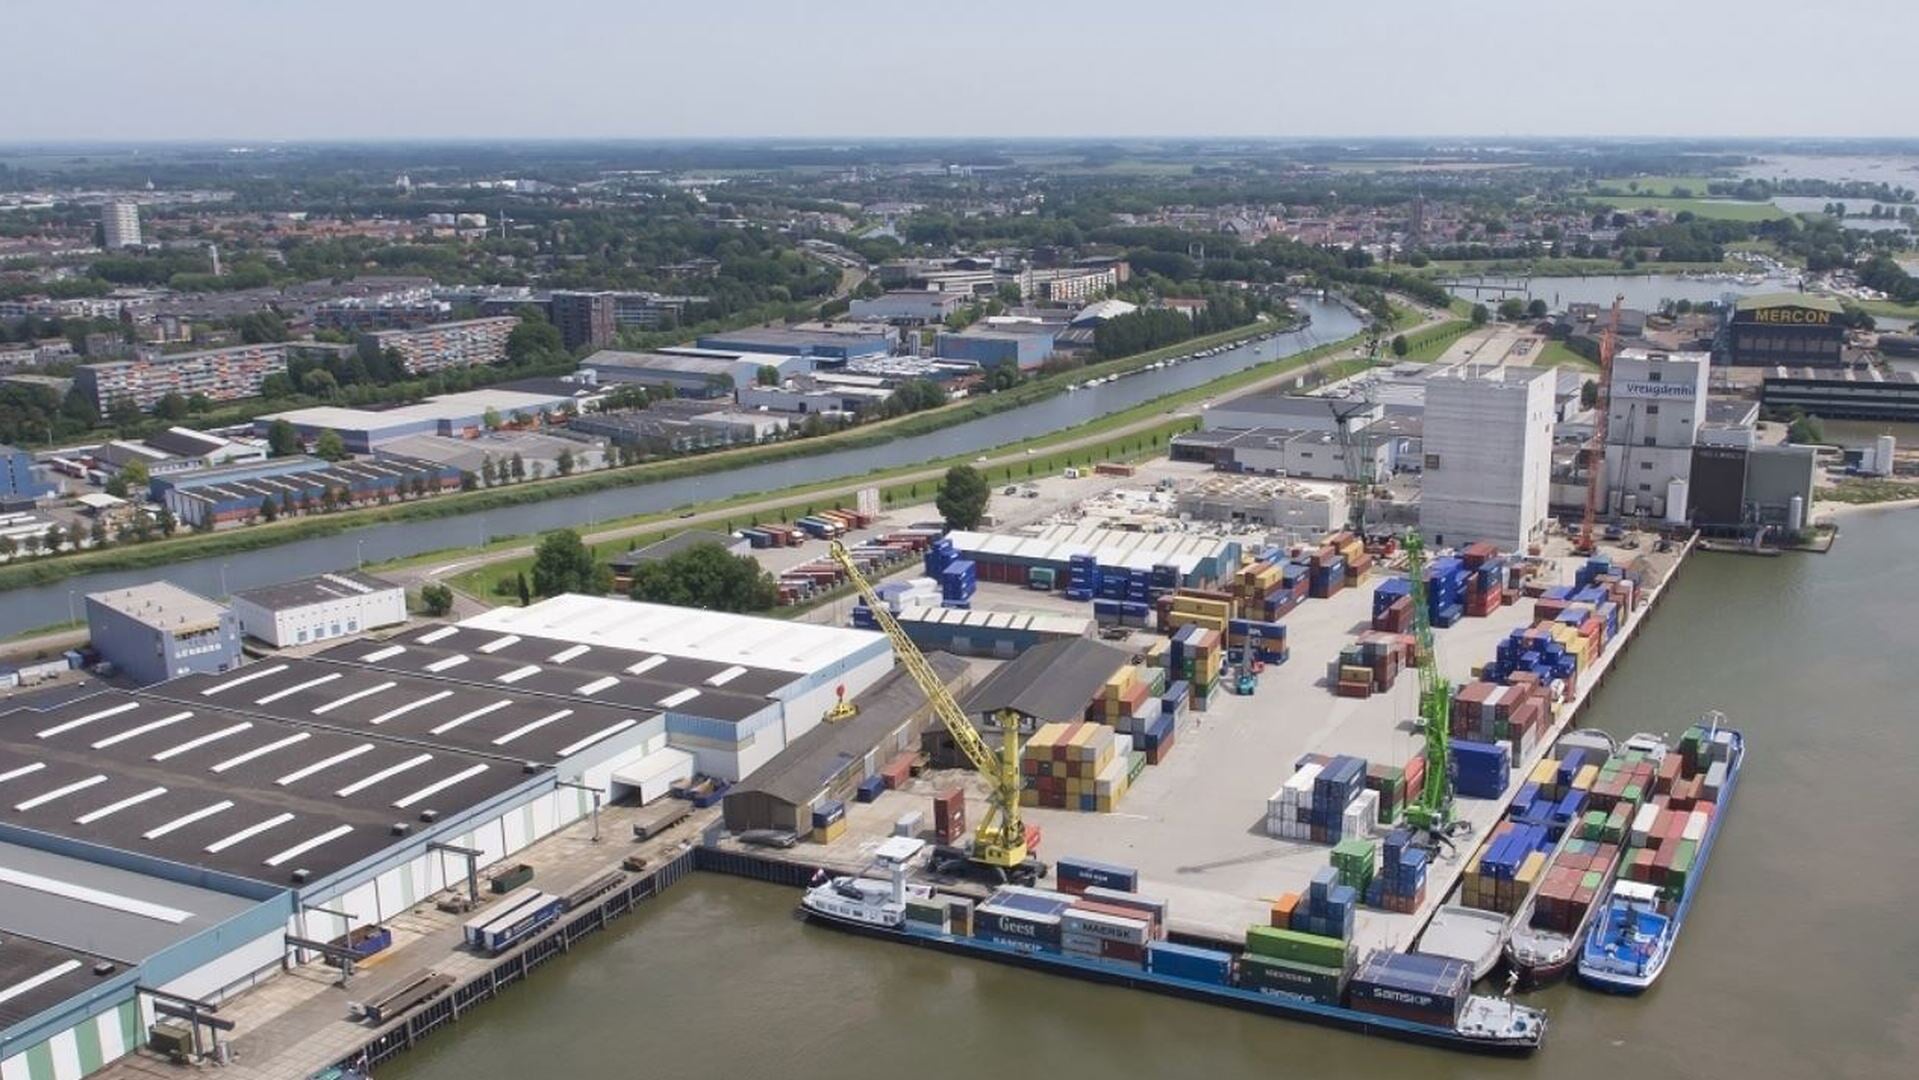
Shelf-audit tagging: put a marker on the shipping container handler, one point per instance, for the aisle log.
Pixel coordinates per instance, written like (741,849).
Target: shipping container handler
(878,908)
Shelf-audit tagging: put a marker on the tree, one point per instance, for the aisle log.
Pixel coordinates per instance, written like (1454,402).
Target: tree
(518,466)
(8,547)
(1588,394)
(1806,429)
(534,339)
(767,375)
(468,482)
(564,564)
(962,497)
(436,599)
(1537,309)
(563,463)
(282,439)
(520,586)
(329,446)
(488,471)
(54,538)
(167,522)
(171,406)
(269,509)
(1512,309)
(706,576)
(490,419)
(97,535)
(319,382)
(1480,315)
(1399,345)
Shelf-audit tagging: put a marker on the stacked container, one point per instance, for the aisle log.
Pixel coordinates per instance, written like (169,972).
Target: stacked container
(1267,638)
(1446,579)
(1401,883)
(1489,712)
(1082,577)
(1572,884)
(949,816)
(1393,606)
(1327,909)
(1075,767)
(1200,607)
(1356,861)
(1389,782)
(938,554)
(1197,658)
(1411,986)
(1486,578)
(1264,592)
(1327,573)
(1481,770)
(1512,861)
(1373,663)
(1210,966)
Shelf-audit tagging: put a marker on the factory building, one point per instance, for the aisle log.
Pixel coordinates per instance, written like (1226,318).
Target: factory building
(1487,446)
(319,608)
(991,347)
(1052,684)
(213,497)
(159,631)
(692,372)
(909,307)
(828,762)
(1297,512)
(463,415)
(1784,328)
(18,481)
(1293,412)
(1862,393)
(823,346)
(1658,410)
(1735,488)
(999,634)
(1194,559)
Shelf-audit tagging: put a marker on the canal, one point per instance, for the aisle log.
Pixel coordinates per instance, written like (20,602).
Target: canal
(1797,960)
(28,608)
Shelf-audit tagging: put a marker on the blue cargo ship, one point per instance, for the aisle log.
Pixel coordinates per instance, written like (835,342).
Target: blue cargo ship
(878,908)
(1634,934)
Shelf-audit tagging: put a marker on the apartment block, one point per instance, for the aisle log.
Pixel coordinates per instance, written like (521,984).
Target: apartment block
(465,343)
(225,374)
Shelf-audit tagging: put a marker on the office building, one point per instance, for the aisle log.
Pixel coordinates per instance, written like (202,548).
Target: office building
(159,631)
(224,374)
(1487,457)
(464,343)
(651,310)
(583,318)
(1657,410)
(319,608)
(120,225)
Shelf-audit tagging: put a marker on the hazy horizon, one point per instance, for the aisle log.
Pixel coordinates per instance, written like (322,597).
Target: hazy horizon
(588,70)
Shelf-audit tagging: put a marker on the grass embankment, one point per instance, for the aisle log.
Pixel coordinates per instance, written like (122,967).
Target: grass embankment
(1891,309)
(1694,186)
(1720,209)
(1431,343)
(1862,491)
(184,546)
(1556,354)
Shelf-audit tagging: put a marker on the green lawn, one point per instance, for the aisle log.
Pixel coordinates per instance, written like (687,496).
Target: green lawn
(1890,308)
(1722,209)
(1556,354)
(1430,344)
(1655,185)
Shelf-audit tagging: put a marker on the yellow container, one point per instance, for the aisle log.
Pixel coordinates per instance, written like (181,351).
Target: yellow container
(1544,772)
(1585,778)
(1530,869)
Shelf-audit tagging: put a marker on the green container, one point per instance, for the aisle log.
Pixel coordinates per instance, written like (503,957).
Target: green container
(1301,948)
(1040,577)
(1593,825)
(1634,794)
(1318,982)
(1591,880)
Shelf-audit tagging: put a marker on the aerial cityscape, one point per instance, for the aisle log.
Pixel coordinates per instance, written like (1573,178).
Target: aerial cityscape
(869,565)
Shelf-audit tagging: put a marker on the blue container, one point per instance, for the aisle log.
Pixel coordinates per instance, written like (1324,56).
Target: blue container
(1070,871)
(869,789)
(1189,962)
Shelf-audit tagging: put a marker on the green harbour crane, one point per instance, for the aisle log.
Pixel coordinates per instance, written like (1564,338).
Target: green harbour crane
(1430,810)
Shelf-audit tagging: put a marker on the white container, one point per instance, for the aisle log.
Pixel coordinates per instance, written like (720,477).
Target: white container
(1643,822)
(1696,823)
(909,824)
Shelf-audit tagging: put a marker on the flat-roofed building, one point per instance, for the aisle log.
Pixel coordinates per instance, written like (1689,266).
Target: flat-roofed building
(223,374)
(438,346)
(159,631)
(319,608)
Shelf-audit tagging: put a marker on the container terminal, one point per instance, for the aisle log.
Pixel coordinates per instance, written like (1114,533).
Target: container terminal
(325,852)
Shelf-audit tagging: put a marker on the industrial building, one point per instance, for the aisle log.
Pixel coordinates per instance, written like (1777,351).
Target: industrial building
(461,415)
(212,497)
(1309,454)
(1196,559)
(1658,408)
(1289,411)
(692,372)
(178,450)
(1858,393)
(159,631)
(1487,448)
(824,347)
(828,762)
(1052,684)
(319,608)
(997,346)
(1296,511)
(1736,488)
(436,347)
(909,307)
(999,634)
(1783,328)
(18,481)
(224,374)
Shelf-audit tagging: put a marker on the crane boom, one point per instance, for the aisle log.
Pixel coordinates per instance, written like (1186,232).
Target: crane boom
(1431,808)
(1000,840)
(1596,469)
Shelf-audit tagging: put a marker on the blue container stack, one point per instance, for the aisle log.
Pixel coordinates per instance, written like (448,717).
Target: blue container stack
(1388,591)
(1524,651)
(957,581)
(1483,769)
(1165,576)
(1082,577)
(1596,566)
(1329,908)
(1172,703)
(863,618)
(1272,647)
(1338,782)
(1446,579)
(938,555)
(1401,883)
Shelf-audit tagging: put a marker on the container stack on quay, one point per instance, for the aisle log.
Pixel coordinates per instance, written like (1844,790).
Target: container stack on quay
(1267,640)
(1203,608)
(1325,801)
(1372,664)
(1446,579)
(1395,785)
(1480,769)
(1133,702)
(1081,766)
(1393,606)
(1196,658)
(1270,587)
(1519,715)
(1485,578)
(1400,885)
(890,776)
(1510,863)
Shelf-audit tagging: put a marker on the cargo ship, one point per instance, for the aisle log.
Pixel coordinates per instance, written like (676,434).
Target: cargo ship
(1544,943)
(1638,927)
(1118,938)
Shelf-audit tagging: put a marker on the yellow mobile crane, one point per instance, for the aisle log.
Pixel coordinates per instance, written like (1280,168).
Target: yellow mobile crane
(999,844)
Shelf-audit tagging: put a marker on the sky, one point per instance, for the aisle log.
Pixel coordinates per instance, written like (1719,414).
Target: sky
(90,70)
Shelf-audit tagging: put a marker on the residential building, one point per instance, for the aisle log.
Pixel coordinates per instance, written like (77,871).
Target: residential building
(583,318)
(160,631)
(319,608)
(465,343)
(1067,284)
(224,374)
(1657,410)
(120,225)
(366,314)
(651,310)
(1487,457)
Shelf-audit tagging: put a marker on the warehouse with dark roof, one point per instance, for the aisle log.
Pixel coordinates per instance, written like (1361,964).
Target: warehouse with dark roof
(1784,328)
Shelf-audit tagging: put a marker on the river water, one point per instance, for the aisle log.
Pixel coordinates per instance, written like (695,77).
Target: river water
(25,609)
(1798,960)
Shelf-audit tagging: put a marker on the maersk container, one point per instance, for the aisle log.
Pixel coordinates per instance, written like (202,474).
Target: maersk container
(1153,906)
(1085,872)
(1314,982)
(1189,962)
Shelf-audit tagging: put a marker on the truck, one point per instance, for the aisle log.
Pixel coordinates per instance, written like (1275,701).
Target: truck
(517,917)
